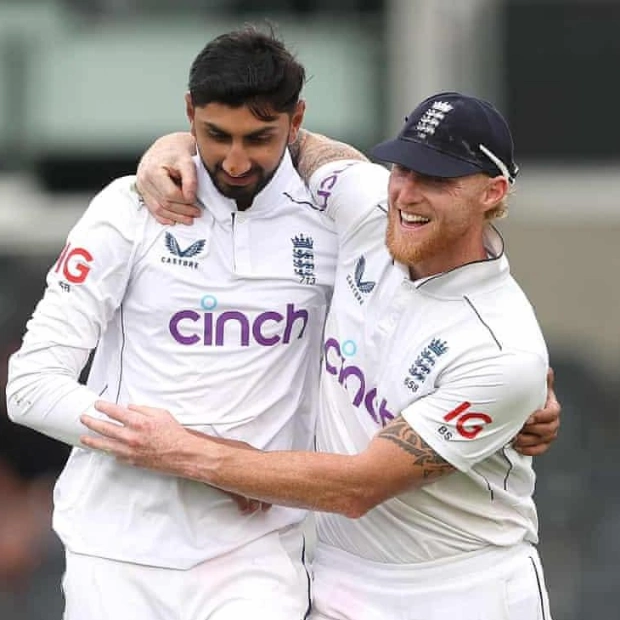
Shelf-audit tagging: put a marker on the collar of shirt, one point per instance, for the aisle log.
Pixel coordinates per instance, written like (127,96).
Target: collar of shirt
(472,277)
(221,207)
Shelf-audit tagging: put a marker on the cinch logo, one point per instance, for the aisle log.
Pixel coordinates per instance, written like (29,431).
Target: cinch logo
(352,377)
(266,329)
(74,264)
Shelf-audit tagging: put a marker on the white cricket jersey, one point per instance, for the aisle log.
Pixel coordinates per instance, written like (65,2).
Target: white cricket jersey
(460,355)
(219,322)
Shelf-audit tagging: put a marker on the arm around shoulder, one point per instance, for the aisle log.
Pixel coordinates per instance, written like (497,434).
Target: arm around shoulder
(312,150)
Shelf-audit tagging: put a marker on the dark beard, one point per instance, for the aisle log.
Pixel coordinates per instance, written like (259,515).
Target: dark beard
(243,196)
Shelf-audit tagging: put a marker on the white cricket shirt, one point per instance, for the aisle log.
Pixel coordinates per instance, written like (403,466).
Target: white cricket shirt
(460,355)
(219,322)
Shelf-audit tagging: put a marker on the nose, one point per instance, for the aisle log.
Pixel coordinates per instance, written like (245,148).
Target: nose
(236,162)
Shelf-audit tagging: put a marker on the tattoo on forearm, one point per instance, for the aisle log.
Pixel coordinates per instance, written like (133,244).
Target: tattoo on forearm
(311,150)
(433,466)
(322,154)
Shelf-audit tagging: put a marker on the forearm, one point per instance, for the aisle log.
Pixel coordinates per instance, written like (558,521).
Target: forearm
(343,484)
(43,395)
(312,150)
(351,485)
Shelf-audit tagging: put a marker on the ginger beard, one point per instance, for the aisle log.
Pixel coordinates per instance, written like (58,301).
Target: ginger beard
(439,244)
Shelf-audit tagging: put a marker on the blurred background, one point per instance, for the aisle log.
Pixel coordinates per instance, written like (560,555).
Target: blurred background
(86,85)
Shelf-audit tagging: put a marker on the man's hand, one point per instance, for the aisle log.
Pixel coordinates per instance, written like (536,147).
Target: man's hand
(167,181)
(542,427)
(139,436)
(152,438)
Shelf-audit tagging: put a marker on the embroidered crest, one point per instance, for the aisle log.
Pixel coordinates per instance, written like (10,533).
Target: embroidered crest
(432,118)
(303,258)
(423,364)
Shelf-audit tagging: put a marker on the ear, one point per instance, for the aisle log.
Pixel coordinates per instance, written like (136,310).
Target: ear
(296,120)
(494,192)
(190,112)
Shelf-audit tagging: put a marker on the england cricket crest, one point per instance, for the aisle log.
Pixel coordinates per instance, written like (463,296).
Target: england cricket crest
(303,258)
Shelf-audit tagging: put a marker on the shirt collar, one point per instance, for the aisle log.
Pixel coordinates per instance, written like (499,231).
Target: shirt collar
(477,276)
(221,207)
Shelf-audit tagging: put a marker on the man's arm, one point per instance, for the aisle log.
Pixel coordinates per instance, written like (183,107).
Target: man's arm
(346,484)
(398,458)
(84,288)
(166,176)
(542,427)
(312,150)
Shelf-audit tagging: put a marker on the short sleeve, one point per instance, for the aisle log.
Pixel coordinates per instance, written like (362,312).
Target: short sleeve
(479,406)
(348,191)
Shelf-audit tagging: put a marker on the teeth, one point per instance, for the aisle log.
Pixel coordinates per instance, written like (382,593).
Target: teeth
(412,218)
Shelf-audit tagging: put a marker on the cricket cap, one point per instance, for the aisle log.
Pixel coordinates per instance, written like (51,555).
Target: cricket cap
(452,135)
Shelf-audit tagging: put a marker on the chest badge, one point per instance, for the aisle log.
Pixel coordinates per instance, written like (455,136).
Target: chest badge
(179,256)
(303,258)
(358,285)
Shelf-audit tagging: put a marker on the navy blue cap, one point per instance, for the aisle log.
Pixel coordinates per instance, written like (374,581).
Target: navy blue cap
(452,135)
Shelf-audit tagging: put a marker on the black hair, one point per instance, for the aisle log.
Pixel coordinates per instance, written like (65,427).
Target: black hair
(247,67)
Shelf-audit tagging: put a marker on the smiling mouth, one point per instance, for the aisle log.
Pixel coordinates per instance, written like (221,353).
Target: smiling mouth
(413,220)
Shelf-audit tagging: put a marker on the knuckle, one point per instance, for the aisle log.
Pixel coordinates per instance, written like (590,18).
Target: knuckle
(134,443)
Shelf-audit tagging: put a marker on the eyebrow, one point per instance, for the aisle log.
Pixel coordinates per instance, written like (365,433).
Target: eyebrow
(253,134)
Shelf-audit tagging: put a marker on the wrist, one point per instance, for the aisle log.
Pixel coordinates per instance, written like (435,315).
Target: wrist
(200,458)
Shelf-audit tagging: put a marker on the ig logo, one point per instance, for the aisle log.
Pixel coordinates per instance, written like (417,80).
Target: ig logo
(74,263)
(468,425)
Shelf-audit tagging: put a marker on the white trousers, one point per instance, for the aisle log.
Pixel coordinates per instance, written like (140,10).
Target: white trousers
(264,580)
(498,584)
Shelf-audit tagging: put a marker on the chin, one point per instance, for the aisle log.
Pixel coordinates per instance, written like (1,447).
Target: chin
(401,250)
(237,192)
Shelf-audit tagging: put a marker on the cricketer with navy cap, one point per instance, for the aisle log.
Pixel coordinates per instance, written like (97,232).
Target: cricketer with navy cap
(432,361)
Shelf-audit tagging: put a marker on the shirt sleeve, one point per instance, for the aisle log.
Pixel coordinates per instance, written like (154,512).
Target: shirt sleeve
(479,406)
(348,191)
(85,287)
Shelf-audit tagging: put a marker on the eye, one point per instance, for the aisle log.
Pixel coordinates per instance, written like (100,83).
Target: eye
(437,182)
(260,139)
(217,136)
